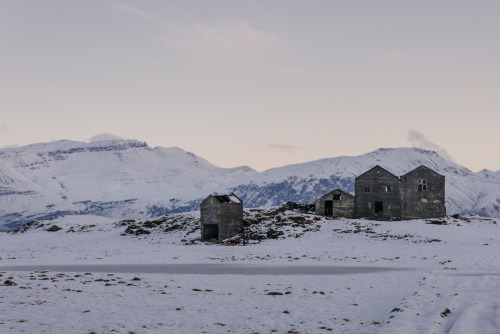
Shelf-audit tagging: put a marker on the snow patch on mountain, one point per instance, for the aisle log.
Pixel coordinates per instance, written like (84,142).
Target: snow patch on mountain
(110,178)
(128,179)
(466,192)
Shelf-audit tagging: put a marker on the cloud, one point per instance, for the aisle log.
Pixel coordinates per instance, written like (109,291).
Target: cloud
(283,147)
(130,9)
(235,39)
(104,136)
(4,127)
(202,42)
(419,140)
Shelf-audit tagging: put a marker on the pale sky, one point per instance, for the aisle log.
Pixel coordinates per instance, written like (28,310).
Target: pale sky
(258,83)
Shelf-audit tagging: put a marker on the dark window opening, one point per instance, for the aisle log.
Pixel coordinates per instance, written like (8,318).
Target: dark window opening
(387,188)
(210,231)
(328,208)
(367,189)
(336,197)
(422,185)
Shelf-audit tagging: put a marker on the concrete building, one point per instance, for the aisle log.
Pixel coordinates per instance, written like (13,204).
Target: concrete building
(422,194)
(221,217)
(380,194)
(335,204)
(377,195)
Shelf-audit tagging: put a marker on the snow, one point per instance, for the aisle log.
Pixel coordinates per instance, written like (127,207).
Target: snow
(466,192)
(126,178)
(115,178)
(452,264)
(234,199)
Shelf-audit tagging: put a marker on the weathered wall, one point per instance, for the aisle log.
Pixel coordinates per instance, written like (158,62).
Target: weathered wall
(231,220)
(422,204)
(340,208)
(376,179)
(209,214)
(227,216)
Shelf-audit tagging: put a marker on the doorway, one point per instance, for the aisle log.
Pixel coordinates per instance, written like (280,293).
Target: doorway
(379,208)
(328,208)
(210,231)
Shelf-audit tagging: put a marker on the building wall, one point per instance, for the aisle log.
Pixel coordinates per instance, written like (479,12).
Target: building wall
(209,214)
(231,220)
(227,216)
(341,208)
(376,179)
(422,204)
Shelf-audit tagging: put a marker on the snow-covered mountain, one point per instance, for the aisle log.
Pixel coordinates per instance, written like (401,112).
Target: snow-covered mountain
(466,192)
(111,178)
(128,179)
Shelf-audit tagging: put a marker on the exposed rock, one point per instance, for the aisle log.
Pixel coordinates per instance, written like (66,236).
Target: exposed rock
(54,228)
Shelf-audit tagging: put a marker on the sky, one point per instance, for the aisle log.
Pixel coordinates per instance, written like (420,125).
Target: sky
(257,83)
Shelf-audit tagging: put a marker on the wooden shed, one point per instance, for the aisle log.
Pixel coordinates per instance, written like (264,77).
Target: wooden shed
(221,217)
(335,204)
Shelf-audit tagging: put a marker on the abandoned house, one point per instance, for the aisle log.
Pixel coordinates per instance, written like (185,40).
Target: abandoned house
(380,194)
(377,194)
(221,217)
(422,194)
(335,204)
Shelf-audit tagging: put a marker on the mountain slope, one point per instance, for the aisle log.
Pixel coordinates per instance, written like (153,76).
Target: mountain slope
(466,192)
(128,179)
(110,178)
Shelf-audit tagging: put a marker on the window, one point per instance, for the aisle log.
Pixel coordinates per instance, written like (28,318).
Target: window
(336,197)
(367,189)
(387,188)
(422,185)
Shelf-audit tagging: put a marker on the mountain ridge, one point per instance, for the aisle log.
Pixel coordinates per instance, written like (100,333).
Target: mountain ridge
(129,179)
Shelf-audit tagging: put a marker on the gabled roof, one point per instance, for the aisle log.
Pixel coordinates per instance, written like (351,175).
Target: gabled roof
(377,167)
(420,168)
(338,190)
(230,198)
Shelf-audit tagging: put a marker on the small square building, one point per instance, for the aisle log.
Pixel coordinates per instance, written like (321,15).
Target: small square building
(335,204)
(221,217)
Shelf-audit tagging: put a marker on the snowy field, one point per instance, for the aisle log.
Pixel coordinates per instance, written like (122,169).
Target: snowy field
(451,281)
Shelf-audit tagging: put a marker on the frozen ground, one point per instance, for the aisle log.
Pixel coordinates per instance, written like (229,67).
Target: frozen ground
(453,285)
